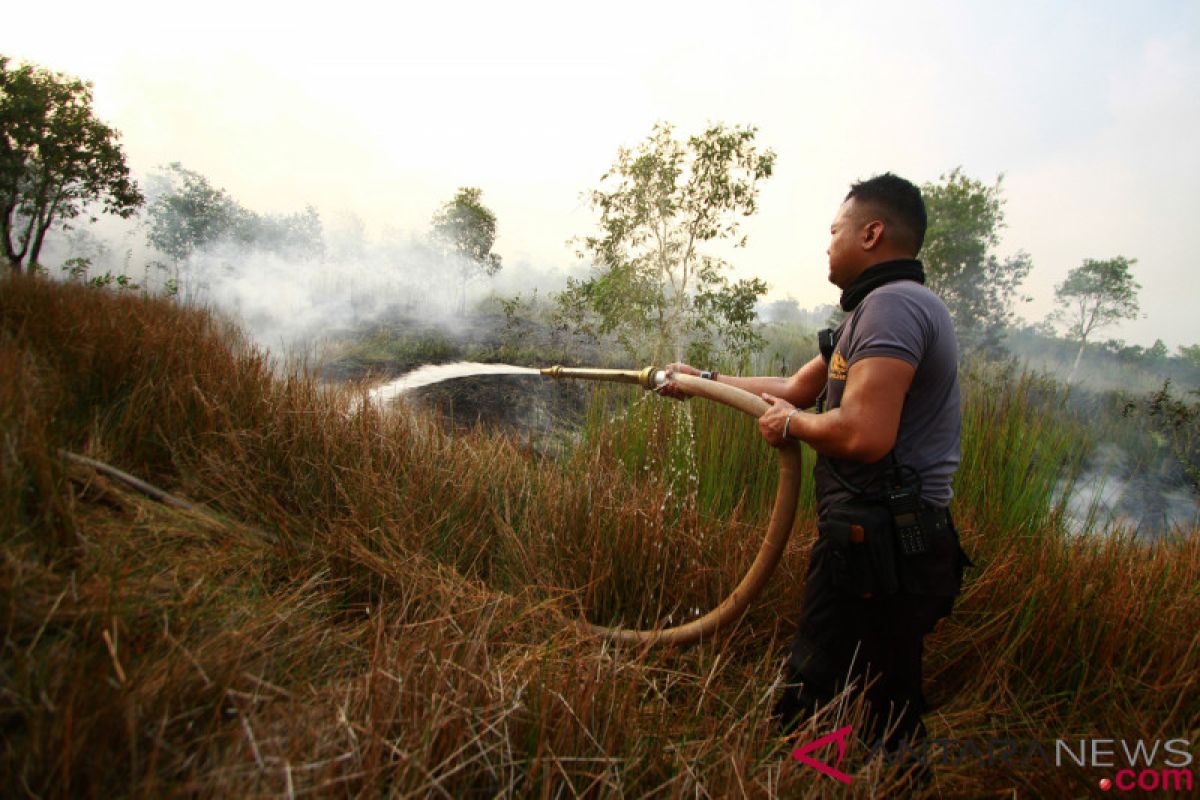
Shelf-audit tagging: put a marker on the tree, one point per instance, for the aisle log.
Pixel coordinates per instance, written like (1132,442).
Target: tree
(187,214)
(1095,295)
(466,230)
(965,220)
(651,285)
(1190,354)
(296,235)
(56,159)
(783,311)
(1158,351)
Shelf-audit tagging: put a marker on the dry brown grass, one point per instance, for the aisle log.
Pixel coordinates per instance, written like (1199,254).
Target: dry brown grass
(413,631)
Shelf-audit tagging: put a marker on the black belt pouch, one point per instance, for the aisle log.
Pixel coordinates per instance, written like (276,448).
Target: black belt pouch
(938,570)
(861,549)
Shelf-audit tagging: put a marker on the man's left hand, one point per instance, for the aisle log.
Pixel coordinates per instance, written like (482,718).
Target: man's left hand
(669,388)
(771,423)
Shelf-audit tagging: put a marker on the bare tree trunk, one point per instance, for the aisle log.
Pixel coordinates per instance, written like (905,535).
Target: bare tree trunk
(43,227)
(15,256)
(12,257)
(1078,358)
(36,249)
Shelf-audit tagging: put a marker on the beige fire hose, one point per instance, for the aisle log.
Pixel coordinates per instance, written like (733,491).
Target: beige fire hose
(707,627)
(730,610)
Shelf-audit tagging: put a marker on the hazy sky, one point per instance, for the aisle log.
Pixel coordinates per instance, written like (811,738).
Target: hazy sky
(1089,109)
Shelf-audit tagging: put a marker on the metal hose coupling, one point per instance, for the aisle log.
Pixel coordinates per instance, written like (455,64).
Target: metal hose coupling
(647,378)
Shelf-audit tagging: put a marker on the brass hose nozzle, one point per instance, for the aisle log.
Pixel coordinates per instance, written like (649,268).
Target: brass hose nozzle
(647,378)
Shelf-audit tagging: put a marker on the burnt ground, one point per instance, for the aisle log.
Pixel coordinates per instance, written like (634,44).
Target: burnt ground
(400,344)
(533,409)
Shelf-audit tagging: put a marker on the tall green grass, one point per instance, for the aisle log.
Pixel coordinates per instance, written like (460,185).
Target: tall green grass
(414,629)
(709,456)
(1021,451)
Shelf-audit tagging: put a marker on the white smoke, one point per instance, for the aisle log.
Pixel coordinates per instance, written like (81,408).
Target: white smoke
(290,303)
(1113,493)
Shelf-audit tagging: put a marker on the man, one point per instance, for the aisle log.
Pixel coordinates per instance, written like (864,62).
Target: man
(886,565)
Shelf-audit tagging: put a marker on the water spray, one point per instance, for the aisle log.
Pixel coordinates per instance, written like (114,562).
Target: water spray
(722,618)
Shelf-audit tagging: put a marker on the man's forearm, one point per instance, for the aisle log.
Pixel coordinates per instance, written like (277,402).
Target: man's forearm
(832,434)
(780,387)
(800,389)
(863,427)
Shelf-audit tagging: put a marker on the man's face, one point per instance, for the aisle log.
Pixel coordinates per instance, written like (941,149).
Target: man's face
(846,255)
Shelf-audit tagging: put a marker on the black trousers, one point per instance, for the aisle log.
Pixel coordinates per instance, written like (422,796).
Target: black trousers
(876,642)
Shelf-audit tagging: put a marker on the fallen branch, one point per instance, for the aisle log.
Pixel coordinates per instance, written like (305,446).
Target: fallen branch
(155,493)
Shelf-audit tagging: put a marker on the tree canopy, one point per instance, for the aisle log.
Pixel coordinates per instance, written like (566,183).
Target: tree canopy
(1096,295)
(1190,353)
(465,229)
(187,213)
(961,265)
(57,161)
(652,287)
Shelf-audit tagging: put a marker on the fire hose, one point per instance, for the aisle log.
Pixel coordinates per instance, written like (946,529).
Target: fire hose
(731,609)
(779,528)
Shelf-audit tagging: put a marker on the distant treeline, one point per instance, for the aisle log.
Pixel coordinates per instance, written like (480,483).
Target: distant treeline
(1109,365)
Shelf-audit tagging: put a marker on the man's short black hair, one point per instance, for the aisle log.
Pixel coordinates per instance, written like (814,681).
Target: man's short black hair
(899,203)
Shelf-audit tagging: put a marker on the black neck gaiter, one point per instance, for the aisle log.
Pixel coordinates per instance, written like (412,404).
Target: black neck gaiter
(902,269)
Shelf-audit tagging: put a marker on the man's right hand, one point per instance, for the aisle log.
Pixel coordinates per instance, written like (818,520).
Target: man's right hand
(669,388)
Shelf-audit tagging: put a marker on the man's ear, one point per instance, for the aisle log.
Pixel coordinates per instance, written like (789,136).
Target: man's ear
(872,234)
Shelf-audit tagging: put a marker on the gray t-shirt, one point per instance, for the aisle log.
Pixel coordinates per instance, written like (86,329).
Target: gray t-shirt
(901,320)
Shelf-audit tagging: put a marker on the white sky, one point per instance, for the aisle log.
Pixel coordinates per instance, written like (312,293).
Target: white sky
(1086,107)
